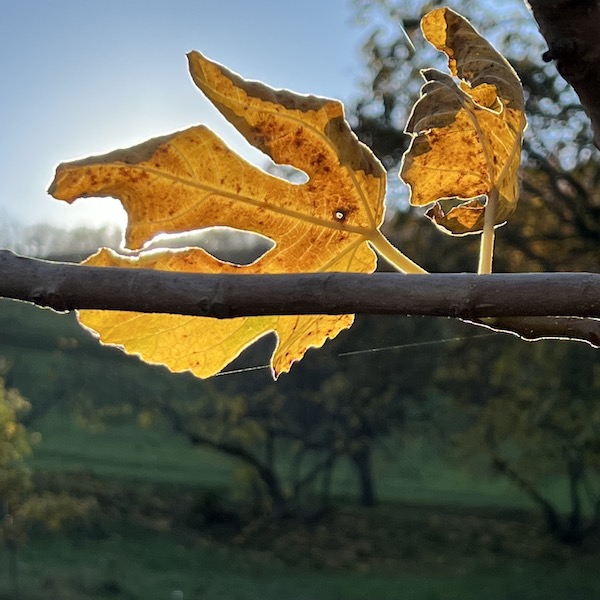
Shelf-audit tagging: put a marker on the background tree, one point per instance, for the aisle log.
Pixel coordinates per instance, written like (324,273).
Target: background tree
(21,505)
(534,412)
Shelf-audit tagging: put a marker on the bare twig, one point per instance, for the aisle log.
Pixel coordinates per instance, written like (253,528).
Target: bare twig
(532,305)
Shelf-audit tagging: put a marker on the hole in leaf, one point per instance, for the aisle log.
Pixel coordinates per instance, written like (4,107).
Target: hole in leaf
(287,173)
(225,243)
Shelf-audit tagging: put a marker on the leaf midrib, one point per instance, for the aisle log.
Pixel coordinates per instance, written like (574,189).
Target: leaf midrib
(286,212)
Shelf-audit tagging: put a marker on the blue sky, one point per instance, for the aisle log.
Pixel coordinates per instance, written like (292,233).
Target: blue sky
(83,78)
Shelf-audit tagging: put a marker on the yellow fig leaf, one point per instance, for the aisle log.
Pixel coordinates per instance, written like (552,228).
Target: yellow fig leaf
(198,344)
(467,134)
(191,180)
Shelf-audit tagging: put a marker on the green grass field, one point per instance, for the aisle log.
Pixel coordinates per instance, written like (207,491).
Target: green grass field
(138,563)
(432,537)
(129,452)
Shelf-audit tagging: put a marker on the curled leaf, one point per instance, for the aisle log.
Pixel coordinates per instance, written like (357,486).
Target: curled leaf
(191,180)
(467,134)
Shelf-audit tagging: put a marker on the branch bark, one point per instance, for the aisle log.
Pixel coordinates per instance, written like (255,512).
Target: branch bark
(571,29)
(532,305)
(64,287)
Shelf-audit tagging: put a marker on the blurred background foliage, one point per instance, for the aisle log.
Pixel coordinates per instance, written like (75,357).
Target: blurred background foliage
(408,453)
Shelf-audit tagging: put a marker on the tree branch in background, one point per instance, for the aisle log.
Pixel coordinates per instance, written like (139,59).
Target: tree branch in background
(571,29)
(531,305)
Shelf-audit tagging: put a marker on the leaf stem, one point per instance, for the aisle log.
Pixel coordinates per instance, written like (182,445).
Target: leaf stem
(393,256)
(486,250)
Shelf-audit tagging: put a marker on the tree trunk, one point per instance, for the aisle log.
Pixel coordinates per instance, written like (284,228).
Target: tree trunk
(280,504)
(570,28)
(362,461)
(326,482)
(267,474)
(13,571)
(574,532)
(551,515)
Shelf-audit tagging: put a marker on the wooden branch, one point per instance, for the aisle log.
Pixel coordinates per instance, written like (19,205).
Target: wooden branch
(532,305)
(571,29)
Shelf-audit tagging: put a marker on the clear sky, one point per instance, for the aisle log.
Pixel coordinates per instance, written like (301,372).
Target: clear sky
(81,78)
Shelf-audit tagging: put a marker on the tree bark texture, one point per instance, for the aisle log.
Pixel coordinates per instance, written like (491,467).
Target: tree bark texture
(533,305)
(66,287)
(571,29)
